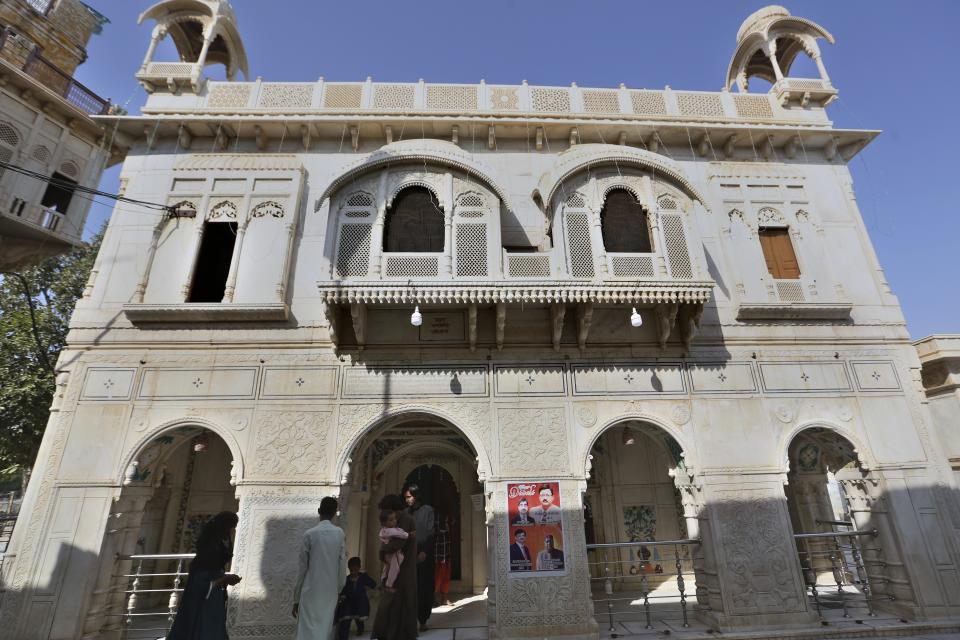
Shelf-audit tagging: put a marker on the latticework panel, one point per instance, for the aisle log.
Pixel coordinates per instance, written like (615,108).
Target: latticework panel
(393,96)
(579,245)
(411,267)
(342,96)
(41,153)
(752,106)
(282,95)
(806,84)
(170,68)
(504,98)
(70,169)
(470,199)
(353,252)
(601,101)
(451,97)
(576,200)
(648,103)
(700,104)
(632,266)
(471,250)
(675,239)
(528,266)
(790,291)
(360,199)
(667,203)
(9,135)
(229,95)
(551,100)
(470,213)
(357,213)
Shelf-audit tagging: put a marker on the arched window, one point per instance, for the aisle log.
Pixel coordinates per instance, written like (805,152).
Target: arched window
(414,223)
(623,222)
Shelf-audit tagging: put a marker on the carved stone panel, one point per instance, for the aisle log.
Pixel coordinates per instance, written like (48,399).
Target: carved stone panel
(804,376)
(108,384)
(759,569)
(299,382)
(722,377)
(535,380)
(291,444)
(178,384)
(627,379)
(533,441)
(875,376)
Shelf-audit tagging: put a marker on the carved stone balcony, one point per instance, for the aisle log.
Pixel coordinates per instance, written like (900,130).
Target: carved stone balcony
(172,75)
(802,91)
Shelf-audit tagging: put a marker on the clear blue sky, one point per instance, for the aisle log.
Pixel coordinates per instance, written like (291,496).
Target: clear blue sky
(894,63)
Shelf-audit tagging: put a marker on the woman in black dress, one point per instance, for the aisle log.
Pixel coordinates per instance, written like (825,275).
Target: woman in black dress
(202,614)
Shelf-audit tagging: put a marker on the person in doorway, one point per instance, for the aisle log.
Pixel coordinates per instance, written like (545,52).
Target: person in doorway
(426,530)
(546,512)
(354,606)
(519,553)
(203,605)
(523,514)
(550,558)
(391,560)
(322,572)
(396,617)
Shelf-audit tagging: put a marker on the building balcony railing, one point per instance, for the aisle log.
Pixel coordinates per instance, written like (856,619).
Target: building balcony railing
(59,82)
(804,91)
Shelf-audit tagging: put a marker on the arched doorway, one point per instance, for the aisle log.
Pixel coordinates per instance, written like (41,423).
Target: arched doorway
(177,481)
(442,461)
(635,505)
(848,553)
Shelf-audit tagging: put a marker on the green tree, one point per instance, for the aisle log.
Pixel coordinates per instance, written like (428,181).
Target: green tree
(32,341)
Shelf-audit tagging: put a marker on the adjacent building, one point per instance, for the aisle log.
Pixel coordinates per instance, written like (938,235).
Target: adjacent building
(653,314)
(46,128)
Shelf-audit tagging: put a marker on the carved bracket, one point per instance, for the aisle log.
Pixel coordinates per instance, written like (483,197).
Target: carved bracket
(666,316)
(557,313)
(501,323)
(358,313)
(472,326)
(330,313)
(584,317)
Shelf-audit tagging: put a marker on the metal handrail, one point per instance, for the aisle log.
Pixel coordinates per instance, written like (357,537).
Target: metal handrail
(644,582)
(840,557)
(159,556)
(836,534)
(135,589)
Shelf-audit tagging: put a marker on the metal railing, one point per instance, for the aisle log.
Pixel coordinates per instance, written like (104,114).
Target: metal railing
(56,80)
(834,568)
(630,569)
(153,587)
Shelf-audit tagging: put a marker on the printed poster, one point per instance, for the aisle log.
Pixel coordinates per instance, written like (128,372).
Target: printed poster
(536,528)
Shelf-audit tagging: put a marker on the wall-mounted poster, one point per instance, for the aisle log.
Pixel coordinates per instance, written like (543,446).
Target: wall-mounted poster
(536,528)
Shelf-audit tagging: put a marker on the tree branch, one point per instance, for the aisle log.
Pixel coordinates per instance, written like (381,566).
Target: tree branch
(33,319)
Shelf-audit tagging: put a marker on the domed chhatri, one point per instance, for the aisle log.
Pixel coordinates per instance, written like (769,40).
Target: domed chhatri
(768,43)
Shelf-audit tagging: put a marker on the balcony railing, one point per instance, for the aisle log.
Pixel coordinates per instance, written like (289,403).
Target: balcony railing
(153,589)
(59,82)
(836,567)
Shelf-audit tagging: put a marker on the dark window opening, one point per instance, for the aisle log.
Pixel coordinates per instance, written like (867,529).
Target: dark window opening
(59,195)
(510,248)
(414,223)
(778,253)
(213,262)
(623,222)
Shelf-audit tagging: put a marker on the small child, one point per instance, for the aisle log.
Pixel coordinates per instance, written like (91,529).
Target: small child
(353,603)
(391,561)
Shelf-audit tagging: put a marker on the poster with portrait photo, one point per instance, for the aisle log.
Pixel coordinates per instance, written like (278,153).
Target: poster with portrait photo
(536,529)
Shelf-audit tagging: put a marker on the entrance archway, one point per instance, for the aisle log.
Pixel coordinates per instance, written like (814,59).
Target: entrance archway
(848,553)
(437,456)
(636,503)
(174,484)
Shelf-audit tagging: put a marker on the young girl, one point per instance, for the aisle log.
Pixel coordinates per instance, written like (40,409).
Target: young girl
(391,561)
(353,604)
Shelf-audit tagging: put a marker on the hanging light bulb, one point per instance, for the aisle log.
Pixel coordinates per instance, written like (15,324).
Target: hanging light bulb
(635,319)
(416,318)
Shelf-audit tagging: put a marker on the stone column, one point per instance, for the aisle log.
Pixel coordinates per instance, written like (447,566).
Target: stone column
(818,60)
(193,255)
(747,532)
(231,285)
(159,33)
(273,520)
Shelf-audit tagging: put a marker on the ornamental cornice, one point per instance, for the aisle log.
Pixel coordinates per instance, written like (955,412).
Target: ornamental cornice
(238,162)
(687,292)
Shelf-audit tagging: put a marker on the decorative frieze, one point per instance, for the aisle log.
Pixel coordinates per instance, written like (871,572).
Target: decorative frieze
(875,376)
(530,380)
(781,377)
(298,382)
(219,383)
(108,384)
(389,382)
(627,379)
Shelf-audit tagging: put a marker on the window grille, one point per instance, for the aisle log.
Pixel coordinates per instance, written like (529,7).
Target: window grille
(752,106)
(411,267)
(353,252)
(527,266)
(393,96)
(451,97)
(632,266)
(790,291)
(675,239)
(359,199)
(471,250)
(9,135)
(581,251)
(667,203)
(576,200)
(282,95)
(70,168)
(470,199)
(357,214)
(229,95)
(41,154)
